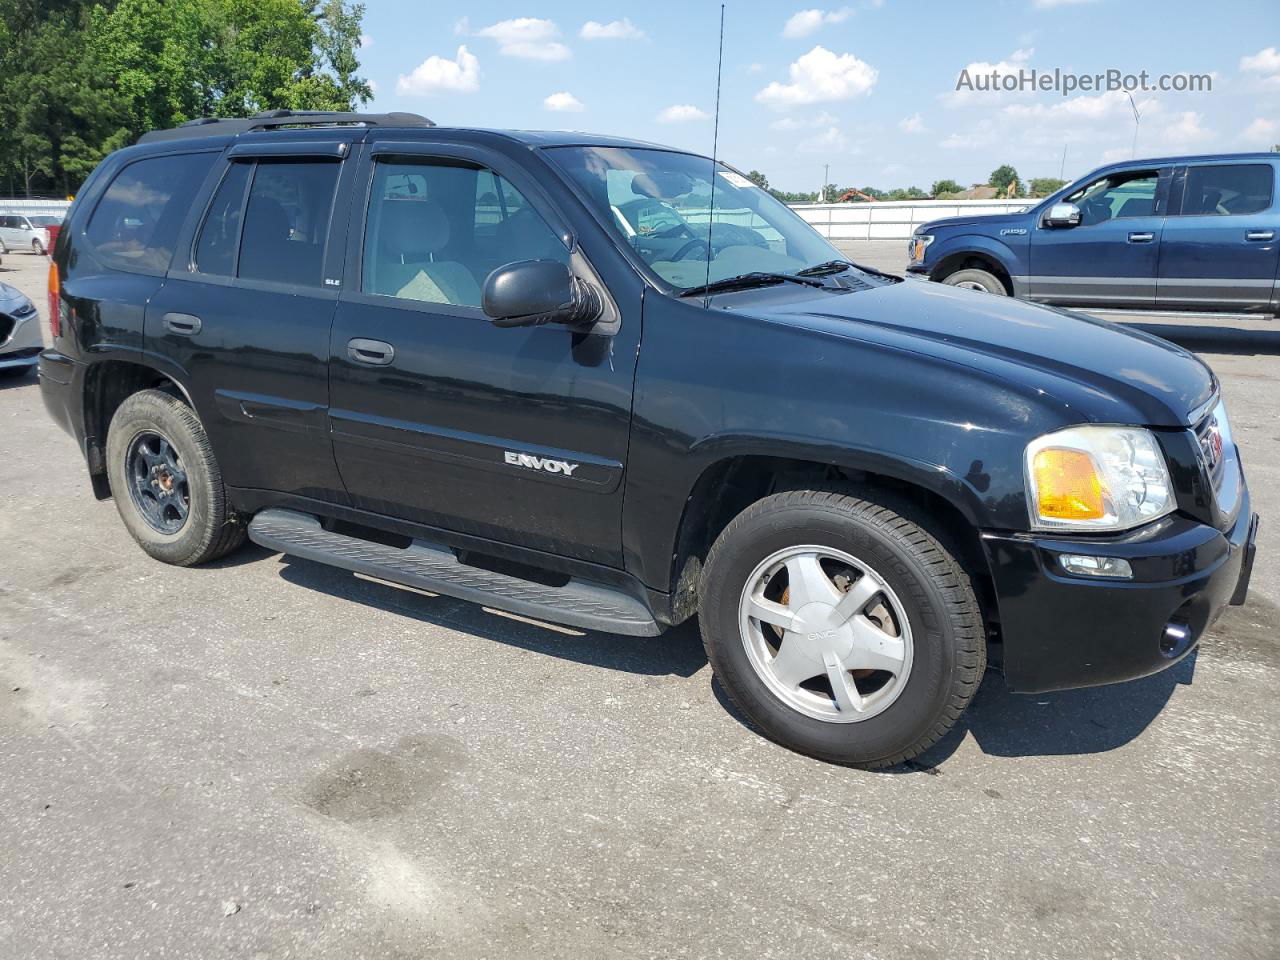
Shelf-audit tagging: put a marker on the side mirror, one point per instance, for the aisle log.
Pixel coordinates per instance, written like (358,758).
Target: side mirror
(529,293)
(1062,215)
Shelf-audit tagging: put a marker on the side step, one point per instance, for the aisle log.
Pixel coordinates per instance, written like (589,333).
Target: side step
(430,566)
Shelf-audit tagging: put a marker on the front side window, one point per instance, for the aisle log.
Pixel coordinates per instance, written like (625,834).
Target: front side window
(1116,196)
(435,230)
(1227,190)
(660,204)
(136,222)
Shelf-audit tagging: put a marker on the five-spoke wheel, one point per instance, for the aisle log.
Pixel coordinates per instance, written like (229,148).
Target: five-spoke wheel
(159,482)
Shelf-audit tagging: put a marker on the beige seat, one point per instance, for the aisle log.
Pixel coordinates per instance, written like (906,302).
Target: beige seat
(410,236)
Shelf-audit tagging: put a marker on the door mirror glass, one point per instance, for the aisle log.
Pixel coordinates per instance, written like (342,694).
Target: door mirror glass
(529,293)
(1062,215)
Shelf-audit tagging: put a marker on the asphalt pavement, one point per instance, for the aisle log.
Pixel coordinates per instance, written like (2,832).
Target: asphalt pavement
(268,758)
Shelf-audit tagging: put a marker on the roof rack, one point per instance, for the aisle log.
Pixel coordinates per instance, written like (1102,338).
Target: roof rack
(273,119)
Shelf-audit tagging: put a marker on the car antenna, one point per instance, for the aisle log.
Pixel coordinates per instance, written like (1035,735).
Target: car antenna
(715,146)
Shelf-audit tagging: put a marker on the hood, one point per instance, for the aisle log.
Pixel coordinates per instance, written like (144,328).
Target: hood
(1103,372)
(999,219)
(8,293)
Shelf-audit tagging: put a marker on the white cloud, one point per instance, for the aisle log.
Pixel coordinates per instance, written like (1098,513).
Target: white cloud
(1047,4)
(527,37)
(830,139)
(622,29)
(912,124)
(809,21)
(1262,132)
(982,69)
(365,42)
(437,74)
(1183,130)
(461,27)
(563,102)
(818,76)
(821,119)
(755,68)
(1265,63)
(681,113)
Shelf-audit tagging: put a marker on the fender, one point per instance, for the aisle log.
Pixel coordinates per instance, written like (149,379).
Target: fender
(946,247)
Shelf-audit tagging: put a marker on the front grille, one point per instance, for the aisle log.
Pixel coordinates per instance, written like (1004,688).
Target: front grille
(1209,434)
(7,323)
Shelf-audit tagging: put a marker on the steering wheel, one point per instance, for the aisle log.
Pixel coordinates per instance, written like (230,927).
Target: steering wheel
(682,253)
(673,232)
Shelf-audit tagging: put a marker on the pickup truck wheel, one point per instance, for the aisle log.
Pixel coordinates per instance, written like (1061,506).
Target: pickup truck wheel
(166,482)
(840,627)
(974,279)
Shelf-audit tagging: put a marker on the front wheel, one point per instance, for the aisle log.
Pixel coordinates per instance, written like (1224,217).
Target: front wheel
(977,280)
(842,628)
(37,248)
(166,482)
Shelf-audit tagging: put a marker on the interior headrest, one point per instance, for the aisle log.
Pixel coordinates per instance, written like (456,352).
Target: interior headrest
(418,226)
(268,218)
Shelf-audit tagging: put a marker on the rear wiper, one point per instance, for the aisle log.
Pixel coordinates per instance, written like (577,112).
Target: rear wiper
(758,278)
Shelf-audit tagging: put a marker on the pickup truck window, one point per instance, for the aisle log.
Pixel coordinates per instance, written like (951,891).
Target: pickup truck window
(436,230)
(1227,190)
(659,202)
(1117,195)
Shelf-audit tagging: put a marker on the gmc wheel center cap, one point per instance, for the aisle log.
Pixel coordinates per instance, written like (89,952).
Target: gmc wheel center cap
(819,631)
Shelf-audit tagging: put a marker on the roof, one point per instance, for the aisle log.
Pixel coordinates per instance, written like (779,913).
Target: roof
(1198,158)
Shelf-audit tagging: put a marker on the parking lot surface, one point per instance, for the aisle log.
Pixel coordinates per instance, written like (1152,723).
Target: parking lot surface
(267,758)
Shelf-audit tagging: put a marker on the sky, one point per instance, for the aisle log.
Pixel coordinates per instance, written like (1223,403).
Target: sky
(868,87)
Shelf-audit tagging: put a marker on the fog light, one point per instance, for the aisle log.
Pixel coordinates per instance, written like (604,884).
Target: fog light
(1086,566)
(1176,639)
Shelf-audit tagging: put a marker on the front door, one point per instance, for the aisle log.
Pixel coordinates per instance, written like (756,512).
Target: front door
(245,313)
(1220,251)
(1111,257)
(439,417)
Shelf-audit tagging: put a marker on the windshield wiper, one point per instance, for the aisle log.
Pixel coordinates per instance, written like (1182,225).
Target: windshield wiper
(757,278)
(825,269)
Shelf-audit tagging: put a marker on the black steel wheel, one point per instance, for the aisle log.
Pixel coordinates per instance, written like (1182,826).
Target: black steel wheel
(159,482)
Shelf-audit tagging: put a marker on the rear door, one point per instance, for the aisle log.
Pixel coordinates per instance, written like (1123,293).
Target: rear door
(1222,248)
(246,310)
(1112,257)
(512,435)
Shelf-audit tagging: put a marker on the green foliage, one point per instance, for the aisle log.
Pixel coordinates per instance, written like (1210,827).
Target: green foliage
(80,78)
(944,186)
(759,179)
(1004,175)
(1043,186)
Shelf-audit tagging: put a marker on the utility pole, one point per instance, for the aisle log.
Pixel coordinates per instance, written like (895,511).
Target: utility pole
(826,178)
(1137,118)
(1062,170)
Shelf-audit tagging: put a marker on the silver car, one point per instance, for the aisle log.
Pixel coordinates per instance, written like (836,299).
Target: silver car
(20,337)
(20,231)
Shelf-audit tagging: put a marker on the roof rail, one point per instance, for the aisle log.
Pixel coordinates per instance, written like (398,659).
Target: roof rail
(272,119)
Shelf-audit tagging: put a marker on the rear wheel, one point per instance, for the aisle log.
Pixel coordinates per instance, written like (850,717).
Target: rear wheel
(37,248)
(974,279)
(842,628)
(166,482)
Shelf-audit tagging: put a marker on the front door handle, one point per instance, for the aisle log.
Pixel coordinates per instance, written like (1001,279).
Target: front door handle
(1141,237)
(1259,235)
(373,352)
(182,323)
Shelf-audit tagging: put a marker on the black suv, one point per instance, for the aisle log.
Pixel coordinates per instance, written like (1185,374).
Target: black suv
(614,385)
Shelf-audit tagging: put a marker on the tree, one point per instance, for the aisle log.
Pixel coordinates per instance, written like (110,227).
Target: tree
(944,186)
(1002,176)
(1043,186)
(759,179)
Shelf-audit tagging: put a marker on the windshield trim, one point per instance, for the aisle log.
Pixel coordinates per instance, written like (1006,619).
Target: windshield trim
(610,229)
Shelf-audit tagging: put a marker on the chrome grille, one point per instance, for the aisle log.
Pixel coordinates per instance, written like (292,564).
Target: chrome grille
(1209,434)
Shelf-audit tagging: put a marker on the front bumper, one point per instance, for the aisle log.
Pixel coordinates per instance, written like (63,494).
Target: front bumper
(1061,631)
(21,347)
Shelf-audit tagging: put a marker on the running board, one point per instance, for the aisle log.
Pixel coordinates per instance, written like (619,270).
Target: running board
(429,566)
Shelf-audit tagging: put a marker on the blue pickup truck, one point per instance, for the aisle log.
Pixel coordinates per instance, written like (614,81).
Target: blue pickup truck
(1179,233)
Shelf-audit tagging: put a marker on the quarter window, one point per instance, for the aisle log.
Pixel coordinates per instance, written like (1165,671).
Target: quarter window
(1227,190)
(137,220)
(220,235)
(436,230)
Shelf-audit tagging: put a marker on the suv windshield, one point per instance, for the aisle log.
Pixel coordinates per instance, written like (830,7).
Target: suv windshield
(659,203)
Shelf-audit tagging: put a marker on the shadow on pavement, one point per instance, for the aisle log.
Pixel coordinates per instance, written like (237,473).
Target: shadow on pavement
(678,652)
(1207,338)
(21,378)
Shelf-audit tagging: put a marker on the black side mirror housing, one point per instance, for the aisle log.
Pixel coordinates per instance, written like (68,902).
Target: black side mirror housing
(529,293)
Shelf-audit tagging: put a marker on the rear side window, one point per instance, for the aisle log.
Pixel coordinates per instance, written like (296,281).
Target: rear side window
(277,231)
(136,222)
(1227,190)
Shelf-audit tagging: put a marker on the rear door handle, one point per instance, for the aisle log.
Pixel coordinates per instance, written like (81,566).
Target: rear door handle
(1262,235)
(373,352)
(182,323)
(1141,237)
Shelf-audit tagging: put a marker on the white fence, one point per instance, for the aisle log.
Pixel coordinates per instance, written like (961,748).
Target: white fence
(34,208)
(895,219)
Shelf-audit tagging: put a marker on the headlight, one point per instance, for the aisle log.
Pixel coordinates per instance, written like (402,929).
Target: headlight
(915,248)
(1097,478)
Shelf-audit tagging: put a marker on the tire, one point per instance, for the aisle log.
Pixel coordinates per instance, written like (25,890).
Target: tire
(208,528)
(940,651)
(37,248)
(4,251)
(977,280)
